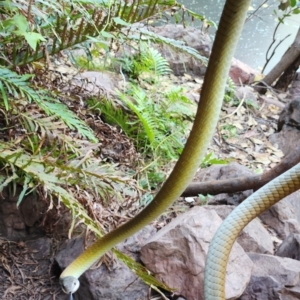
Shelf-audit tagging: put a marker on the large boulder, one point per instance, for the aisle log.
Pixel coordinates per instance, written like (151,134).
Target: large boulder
(273,278)
(177,253)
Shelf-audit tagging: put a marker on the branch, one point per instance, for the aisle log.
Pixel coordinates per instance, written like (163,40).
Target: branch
(287,59)
(245,183)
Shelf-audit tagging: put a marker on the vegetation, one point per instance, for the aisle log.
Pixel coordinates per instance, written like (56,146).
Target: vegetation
(48,148)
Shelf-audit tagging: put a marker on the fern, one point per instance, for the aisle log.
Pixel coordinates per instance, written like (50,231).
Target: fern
(112,115)
(54,177)
(151,60)
(68,23)
(146,120)
(15,85)
(162,130)
(62,112)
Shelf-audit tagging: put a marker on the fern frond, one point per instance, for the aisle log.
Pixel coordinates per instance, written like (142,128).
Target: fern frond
(56,177)
(113,115)
(151,58)
(15,85)
(62,112)
(176,44)
(72,22)
(145,122)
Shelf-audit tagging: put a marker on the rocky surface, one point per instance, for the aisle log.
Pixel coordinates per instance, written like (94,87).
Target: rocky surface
(181,63)
(273,278)
(288,136)
(176,254)
(290,247)
(254,237)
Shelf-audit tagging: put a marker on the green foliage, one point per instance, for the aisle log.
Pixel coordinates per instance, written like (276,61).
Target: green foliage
(65,23)
(251,104)
(162,127)
(42,152)
(16,87)
(157,122)
(204,199)
(210,159)
(90,175)
(146,60)
(228,131)
(112,114)
(229,91)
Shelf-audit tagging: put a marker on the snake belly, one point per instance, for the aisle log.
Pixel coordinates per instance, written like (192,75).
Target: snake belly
(207,115)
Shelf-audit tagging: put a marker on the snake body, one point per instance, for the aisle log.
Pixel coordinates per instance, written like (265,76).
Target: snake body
(207,115)
(223,240)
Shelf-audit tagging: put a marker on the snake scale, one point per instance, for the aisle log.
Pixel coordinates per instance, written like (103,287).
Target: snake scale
(206,119)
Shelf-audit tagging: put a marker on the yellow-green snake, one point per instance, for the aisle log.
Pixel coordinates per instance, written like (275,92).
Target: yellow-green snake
(212,94)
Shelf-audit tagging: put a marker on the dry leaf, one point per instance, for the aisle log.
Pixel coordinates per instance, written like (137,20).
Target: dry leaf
(238,125)
(262,157)
(251,121)
(257,141)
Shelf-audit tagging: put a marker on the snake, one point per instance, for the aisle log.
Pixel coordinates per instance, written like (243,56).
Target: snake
(207,115)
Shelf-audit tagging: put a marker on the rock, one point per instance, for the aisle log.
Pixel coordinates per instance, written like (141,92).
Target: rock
(241,73)
(134,243)
(290,247)
(281,217)
(94,83)
(290,115)
(190,36)
(293,201)
(219,172)
(180,62)
(288,126)
(254,237)
(17,223)
(273,278)
(246,92)
(286,140)
(176,255)
(118,282)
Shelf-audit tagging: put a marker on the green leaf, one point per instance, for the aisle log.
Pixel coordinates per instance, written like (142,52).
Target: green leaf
(25,187)
(107,34)
(7,180)
(119,21)
(141,271)
(4,96)
(293,3)
(21,22)
(33,39)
